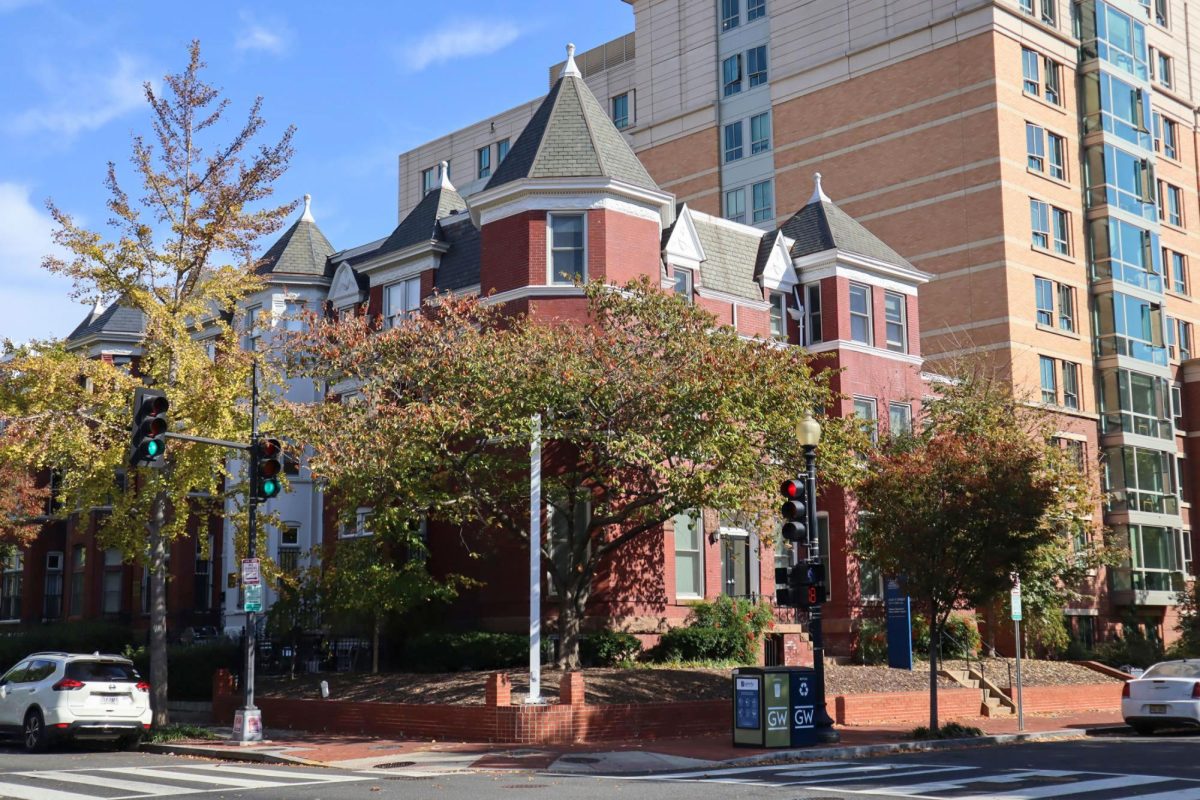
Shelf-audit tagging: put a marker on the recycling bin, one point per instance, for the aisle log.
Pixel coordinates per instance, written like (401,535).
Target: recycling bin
(772,706)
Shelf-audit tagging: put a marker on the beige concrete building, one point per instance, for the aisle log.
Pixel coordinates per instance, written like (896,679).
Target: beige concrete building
(1037,157)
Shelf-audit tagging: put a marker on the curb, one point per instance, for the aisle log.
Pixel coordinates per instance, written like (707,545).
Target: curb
(231,754)
(860,751)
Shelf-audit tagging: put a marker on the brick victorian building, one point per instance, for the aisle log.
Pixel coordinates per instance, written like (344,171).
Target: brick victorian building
(571,201)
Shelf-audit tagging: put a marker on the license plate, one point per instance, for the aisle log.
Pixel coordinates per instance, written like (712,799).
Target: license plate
(1157,709)
(110,699)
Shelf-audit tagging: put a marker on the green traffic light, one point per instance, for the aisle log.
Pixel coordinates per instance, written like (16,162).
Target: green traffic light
(270,488)
(152,448)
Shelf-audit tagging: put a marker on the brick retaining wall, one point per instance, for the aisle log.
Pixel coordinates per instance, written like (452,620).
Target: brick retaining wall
(498,720)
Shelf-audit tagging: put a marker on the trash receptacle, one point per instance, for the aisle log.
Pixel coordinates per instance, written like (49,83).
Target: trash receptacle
(761,707)
(802,691)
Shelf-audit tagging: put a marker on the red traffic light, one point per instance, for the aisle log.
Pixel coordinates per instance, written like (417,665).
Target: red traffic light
(792,489)
(270,458)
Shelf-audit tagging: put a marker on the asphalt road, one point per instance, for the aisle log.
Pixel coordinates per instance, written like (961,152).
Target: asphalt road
(1102,768)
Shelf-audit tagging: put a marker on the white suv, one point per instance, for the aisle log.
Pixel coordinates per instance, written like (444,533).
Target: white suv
(52,695)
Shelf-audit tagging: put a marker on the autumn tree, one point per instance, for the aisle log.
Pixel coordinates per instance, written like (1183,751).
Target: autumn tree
(183,255)
(648,411)
(981,493)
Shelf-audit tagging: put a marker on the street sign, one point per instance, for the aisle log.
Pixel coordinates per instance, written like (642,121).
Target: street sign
(251,573)
(1015,601)
(899,624)
(253,600)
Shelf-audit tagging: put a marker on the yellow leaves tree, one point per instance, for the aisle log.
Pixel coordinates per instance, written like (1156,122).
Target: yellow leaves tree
(182,254)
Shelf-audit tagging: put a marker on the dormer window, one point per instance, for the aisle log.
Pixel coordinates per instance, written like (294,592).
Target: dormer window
(779,316)
(568,262)
(400,301)
(682,282)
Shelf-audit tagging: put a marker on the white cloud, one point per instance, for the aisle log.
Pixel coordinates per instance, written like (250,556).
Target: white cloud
(34,303)
(84,101)
(271,37)
(459,40)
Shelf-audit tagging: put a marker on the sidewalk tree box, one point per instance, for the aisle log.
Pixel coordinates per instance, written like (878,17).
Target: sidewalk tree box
(773,707)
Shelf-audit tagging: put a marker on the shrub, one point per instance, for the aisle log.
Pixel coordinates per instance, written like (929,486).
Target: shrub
(871,646)
(471,650)
(70,637)
(1133,648)
(190,668)
(609,648)
(960,640)
(742,620)
(696,644)
(951,730)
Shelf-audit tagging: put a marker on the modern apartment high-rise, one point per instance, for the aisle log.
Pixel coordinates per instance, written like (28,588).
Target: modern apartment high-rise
(1037,157)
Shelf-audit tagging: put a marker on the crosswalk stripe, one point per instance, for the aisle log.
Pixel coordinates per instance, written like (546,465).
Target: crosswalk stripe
(192,777)
(1055,791)
(717,771)
(21,792)
(270,772)
(917,771)
(1174,794)
(145,787)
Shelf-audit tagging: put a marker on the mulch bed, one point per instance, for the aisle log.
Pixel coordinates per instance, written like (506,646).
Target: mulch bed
(617,686)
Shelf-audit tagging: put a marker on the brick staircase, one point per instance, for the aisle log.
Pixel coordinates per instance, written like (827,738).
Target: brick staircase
(994,703)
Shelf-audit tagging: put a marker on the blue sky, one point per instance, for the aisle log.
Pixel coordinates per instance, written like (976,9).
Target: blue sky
(361,81)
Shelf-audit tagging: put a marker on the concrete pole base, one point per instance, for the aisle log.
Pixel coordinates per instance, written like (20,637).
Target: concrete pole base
(247,725)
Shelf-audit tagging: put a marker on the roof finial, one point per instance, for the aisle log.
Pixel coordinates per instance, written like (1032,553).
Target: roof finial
(444,178)
(570,68)
(818,195)
(307,215)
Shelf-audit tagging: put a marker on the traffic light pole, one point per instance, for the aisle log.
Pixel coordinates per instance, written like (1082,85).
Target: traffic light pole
(822,722)
(247,724)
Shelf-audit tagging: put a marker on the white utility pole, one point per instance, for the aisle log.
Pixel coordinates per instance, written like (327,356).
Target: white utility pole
(535,562)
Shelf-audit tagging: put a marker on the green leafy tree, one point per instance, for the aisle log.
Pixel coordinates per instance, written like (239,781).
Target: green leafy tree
(183,254)
(649,410)
(374,576)
(980,494)
(1188,644)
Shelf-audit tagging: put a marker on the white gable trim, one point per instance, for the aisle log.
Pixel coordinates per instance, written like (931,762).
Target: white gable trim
(866,349)
(511,198)
(568,201)
(778,274)
(684,248)
(399,272)
(344,291)
(735,299)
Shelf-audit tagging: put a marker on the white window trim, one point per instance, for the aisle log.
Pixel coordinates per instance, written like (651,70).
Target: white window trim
(392,319)
(361,514)
(699,518)
(870,314)
(903,323)
(550,215)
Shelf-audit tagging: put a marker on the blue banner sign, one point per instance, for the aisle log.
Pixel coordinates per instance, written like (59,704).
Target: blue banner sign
(899,624)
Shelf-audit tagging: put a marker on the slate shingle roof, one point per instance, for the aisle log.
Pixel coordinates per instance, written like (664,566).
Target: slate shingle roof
(302,250)
(821,226)
(571,136)
(731,256)
(459,266)
(421,223)
(116,319)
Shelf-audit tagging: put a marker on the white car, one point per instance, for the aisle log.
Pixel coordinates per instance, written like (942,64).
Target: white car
(1165,696)
(48,696)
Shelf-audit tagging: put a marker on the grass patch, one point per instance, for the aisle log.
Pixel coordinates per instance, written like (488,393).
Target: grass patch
(178,732)
(951,730)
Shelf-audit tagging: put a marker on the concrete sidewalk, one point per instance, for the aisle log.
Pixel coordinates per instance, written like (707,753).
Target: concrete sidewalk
(425,758)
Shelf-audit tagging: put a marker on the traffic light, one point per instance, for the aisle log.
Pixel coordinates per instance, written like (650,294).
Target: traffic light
(149,442)
(802,586)
(267,467)
(794,511)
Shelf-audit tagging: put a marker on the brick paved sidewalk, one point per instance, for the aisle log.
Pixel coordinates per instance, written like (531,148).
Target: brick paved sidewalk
(426,757)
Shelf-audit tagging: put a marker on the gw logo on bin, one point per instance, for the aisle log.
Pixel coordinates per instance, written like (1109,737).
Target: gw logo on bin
(802,717)
(777,719)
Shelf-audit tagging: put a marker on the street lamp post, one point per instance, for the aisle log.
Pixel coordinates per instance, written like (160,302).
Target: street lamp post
(809,433)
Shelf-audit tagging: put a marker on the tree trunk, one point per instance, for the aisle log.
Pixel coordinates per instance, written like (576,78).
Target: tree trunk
(935,636)
(570,624)
(375,645)
(158,613)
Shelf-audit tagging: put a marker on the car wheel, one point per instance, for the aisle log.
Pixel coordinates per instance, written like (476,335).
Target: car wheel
(1142,730)
(34,732)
